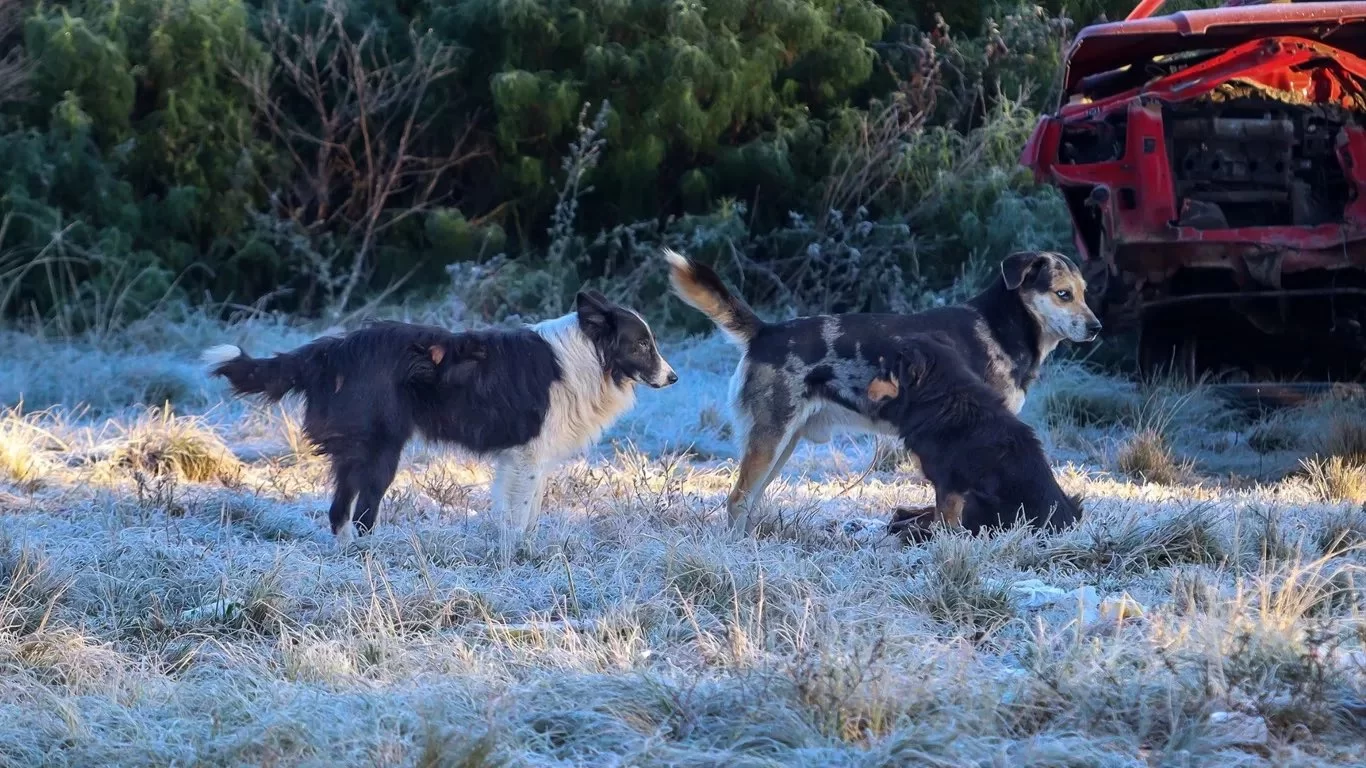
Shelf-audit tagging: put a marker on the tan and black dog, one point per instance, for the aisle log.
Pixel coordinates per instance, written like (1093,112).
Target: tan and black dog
(987,467)
(807,377)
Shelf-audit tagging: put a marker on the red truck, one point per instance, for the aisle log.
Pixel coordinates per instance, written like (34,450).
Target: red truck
(1214,165)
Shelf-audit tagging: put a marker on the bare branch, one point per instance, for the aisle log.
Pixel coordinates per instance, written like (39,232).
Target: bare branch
(358,147)
(864,169)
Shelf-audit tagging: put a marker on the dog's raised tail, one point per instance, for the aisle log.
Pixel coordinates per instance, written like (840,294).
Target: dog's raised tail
(700,287)
(273,377)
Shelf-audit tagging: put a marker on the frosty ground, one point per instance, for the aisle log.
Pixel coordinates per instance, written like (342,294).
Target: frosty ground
(169,594)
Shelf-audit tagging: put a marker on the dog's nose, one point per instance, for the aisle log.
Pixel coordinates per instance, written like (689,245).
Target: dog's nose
(672,377)
(1093,328)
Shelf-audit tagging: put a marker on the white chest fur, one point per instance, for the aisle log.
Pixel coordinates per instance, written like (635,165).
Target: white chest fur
(585,401)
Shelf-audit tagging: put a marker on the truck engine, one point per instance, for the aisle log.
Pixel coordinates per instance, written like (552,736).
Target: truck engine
(1214,164)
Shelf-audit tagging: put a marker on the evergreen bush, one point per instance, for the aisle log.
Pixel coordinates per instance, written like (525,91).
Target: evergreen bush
(308,156)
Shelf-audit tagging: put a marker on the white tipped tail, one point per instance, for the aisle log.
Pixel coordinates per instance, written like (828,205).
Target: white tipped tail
(700,287)
(220,354)
(675,259)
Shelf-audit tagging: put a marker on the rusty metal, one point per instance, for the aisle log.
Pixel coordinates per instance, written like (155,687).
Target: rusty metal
(1276,395)
(1145,9)
(1195,298)
(1102,47)
(1220,156)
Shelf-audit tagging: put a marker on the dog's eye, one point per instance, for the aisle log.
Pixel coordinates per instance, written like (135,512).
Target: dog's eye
(1064,295)
(643,346)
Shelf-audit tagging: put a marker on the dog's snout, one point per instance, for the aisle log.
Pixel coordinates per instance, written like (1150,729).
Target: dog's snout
(663,376)
(1093,327)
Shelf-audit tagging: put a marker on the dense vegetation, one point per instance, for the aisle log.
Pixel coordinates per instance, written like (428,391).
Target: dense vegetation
(306,156)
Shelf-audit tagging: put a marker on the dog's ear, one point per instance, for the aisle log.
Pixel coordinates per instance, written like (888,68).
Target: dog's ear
(595,313)
(1020,266)
(914,365)
(885,385)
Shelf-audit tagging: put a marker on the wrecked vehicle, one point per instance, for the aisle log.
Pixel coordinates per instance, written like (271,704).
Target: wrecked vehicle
(1214,165)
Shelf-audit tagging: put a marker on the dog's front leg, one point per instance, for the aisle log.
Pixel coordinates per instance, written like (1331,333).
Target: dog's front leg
(914,524)
(535,498)
(519,485)
(949,507)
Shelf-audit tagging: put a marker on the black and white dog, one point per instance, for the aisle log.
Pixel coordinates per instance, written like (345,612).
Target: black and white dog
(527,399)
(806,378)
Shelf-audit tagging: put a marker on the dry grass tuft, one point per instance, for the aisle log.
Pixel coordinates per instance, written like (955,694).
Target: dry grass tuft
(1137,544)
(1103,406)
(31,590)
(1346,437)
(165,445)
(1148,456)
(1267,539)
(1335,479)
(1343,531)
(840,684)
(954,589)
(24,448)
(1277,432)
(1194,591)
(457,748)
(1188,537)
(164,620)
(447,484)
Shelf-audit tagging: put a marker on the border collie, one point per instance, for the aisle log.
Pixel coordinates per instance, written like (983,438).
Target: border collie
(805,378)
(527,398)
(987,467)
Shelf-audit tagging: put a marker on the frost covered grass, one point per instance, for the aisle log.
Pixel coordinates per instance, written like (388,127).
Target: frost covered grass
(169,595)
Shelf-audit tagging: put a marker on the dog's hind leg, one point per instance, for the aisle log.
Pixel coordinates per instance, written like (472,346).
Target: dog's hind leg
(375,478)
(764,457)
(344,499)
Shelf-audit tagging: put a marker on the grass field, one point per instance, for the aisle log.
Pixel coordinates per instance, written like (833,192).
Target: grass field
(170,595)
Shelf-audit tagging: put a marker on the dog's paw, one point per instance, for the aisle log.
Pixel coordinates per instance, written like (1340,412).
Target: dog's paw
(911,524)
(858,528)
(344,537)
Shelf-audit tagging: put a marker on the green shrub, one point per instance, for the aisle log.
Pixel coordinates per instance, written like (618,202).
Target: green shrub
(825,155)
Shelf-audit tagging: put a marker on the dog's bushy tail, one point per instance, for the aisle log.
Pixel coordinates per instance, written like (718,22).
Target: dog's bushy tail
(701,288)
(272,377)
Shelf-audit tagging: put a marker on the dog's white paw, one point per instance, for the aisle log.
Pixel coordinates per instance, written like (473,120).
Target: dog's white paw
(859,528)
(345,536)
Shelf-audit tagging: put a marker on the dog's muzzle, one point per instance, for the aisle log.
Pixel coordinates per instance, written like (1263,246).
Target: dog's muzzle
(1093,329)
(660,382)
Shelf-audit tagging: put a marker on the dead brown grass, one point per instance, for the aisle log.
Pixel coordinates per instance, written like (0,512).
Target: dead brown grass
(1335,479)
(26,446)
(1346,436)
(174,620)
(1148,456)
(163,444)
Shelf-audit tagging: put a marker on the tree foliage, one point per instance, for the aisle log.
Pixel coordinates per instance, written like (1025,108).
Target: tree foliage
(303,154)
